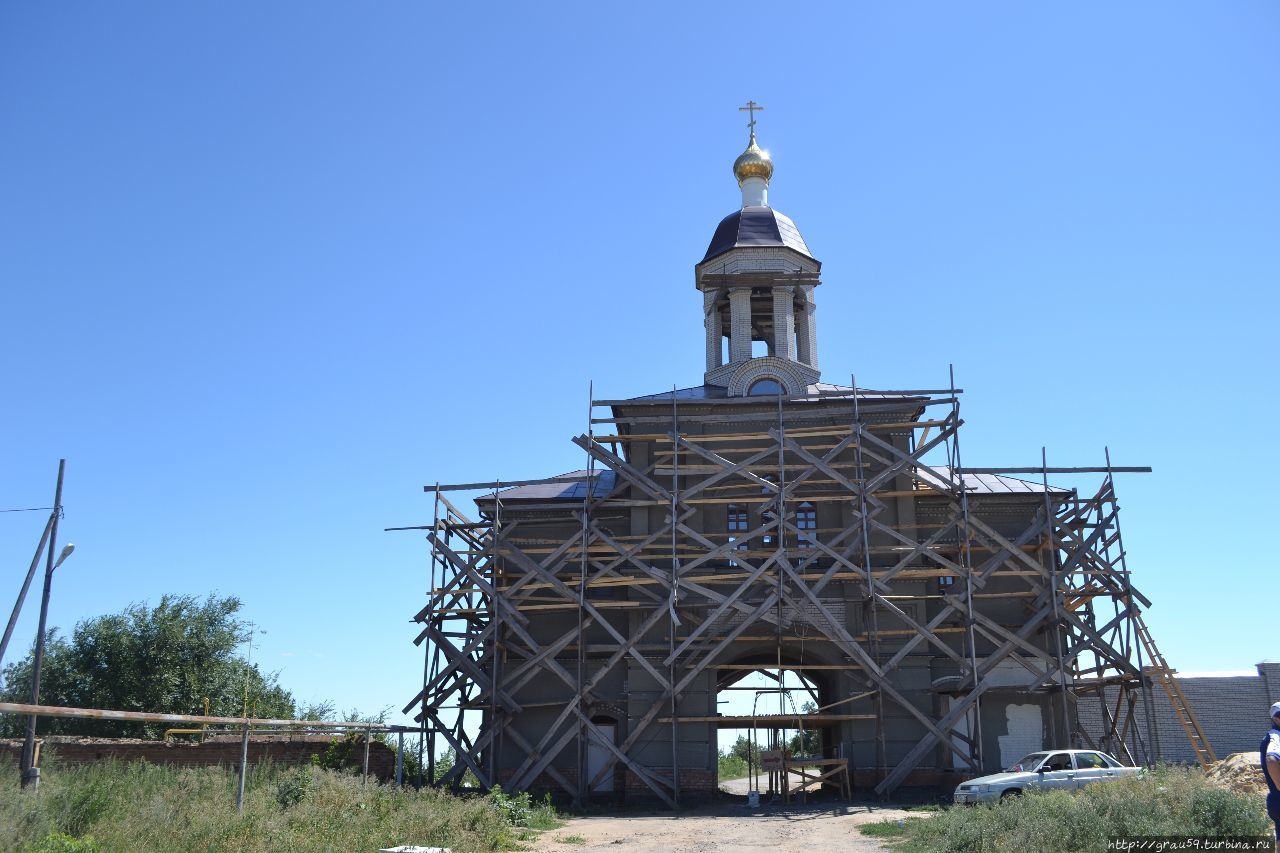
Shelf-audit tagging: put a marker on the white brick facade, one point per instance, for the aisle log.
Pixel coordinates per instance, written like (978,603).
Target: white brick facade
(739,324)
(711,320)
(784,323)
(807,329)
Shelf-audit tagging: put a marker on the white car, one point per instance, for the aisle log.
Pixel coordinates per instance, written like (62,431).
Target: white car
(1065,769)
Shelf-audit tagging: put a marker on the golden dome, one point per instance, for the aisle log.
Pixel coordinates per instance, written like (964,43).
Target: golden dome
(753,163)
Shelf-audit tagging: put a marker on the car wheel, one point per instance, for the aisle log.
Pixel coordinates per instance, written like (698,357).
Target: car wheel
(1010,794)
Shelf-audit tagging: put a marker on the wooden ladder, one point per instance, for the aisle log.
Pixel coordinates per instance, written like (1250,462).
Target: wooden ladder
(1181,708)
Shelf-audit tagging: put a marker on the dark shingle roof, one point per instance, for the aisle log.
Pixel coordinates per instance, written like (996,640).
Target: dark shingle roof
(756,226)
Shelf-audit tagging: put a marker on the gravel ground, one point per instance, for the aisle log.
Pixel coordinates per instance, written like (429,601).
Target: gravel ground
(726,826)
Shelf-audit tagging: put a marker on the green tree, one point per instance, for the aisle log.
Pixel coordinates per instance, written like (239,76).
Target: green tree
(743,748)
(811,741)
(166,658)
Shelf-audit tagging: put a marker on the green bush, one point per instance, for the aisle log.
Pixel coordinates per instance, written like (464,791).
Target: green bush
(293,786)
(1167,801)
(340,754)
(513,808)
(59,842)
(732,767)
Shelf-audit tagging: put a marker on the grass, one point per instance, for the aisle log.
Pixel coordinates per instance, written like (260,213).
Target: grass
(571,839)
(887,828)
(139,806)
(1167,801)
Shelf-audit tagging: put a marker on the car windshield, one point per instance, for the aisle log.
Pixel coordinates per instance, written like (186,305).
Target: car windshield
(1027,763)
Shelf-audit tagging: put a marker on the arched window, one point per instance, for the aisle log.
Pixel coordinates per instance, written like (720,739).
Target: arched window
(807,524)
(765,386)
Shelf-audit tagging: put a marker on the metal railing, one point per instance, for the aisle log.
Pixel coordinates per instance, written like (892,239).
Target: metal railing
(244,724)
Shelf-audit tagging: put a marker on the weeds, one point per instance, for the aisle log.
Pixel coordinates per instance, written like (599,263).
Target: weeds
(1167,801)
(58,842)
(293,786)
(139,806)
(892,828)
(520,810)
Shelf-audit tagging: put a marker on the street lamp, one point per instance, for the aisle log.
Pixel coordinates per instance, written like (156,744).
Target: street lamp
(66,552)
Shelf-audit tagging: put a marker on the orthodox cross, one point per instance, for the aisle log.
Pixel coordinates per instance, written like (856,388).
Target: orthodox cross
(750,109)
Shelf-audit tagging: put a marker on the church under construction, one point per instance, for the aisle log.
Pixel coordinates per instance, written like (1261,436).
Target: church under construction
(935,618)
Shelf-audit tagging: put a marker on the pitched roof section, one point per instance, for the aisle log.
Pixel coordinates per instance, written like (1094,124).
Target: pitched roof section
(756,226)
(990,484)
(570,486)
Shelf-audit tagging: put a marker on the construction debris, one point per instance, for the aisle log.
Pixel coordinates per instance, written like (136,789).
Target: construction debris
(1240,772)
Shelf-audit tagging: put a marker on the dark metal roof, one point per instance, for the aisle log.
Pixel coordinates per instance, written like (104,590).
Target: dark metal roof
(756,226)
(571,486)
(989,484)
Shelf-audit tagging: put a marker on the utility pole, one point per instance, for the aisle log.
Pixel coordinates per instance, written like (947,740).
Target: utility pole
(30,772)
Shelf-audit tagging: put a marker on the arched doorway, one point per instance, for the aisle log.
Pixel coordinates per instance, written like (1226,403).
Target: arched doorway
(765,704)
(598,756)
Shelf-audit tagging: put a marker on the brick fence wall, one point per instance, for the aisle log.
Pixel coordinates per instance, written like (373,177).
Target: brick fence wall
(1232,710)
(289,751)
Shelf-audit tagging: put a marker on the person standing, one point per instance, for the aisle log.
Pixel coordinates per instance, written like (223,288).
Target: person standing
(1270,756)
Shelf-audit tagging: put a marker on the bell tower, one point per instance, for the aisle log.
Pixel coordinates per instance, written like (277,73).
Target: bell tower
(757,282)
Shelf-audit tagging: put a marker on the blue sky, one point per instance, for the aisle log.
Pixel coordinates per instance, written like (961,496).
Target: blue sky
(268,269)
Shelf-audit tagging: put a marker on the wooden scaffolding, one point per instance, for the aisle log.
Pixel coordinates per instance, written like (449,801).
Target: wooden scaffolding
(675,601)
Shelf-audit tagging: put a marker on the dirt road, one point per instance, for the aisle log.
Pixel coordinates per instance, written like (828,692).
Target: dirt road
(725,826)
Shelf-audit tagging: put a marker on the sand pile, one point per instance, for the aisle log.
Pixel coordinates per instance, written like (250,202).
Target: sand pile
(1240,772)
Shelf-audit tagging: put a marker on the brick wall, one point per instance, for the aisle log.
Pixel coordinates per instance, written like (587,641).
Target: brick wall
(1232,710)
(286,750)
(694,784)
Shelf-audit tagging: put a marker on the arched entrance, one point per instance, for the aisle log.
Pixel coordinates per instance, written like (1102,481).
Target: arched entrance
(767,704)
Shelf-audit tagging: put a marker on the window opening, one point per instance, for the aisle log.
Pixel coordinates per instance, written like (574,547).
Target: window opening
(765,387)
(807,524)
